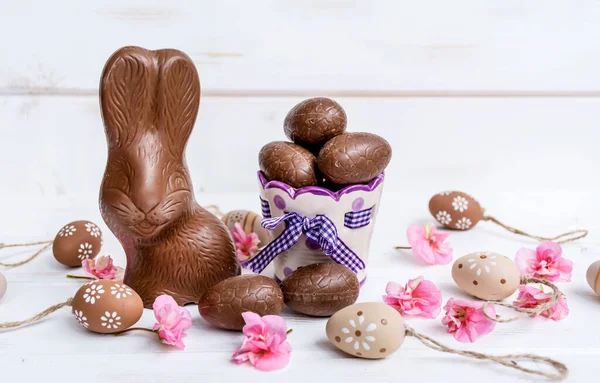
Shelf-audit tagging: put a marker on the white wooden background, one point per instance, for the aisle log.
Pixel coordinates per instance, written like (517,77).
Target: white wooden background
(498,98)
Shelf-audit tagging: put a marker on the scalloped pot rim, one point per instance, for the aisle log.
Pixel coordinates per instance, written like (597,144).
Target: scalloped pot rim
(318,190)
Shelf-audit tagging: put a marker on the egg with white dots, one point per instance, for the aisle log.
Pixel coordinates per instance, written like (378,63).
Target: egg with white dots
(370,330)
(486,275)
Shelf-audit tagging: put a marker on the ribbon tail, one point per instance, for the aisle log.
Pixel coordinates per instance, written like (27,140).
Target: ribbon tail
(342,254)
(280,244)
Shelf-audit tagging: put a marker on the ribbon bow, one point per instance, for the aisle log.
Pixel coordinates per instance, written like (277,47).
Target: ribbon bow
(319,229)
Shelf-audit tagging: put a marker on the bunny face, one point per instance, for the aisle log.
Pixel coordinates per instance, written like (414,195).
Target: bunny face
(149,102)
(144,199)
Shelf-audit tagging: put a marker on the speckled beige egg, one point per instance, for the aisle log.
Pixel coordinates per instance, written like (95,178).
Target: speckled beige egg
(106,306)
(250,222)
(2,285)
(77,241)
(487,276)
(593,276)
(367,330)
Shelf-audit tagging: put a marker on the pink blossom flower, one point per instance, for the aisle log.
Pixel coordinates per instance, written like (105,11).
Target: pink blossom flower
(265,345)
(466,320)
(102,267)
(545,262)
(246,245)
(172,321)
(531,297)
(428,244)
(418,297)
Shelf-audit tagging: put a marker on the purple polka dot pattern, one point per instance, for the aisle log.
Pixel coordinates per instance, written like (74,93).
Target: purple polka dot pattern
(358,204)
(279,202)
(312,245)
(287,271)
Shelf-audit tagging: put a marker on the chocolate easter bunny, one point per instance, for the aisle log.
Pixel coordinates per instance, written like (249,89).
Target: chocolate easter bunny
(149,102)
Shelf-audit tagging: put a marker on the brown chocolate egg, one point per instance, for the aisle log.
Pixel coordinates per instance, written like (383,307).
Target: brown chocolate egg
(223,305)
(288,163)
(353,158)
(455,210)
(593,276)
(320,289)
(250,222)
(371,330)
(487,276)
(107,306)
(315,121)
(2,285)
(77,241)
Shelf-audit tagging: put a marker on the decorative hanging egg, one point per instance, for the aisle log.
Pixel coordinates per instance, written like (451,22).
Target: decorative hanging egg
(455,210)
(250,222)
(367,330)
(77,241)
(107,306)
(487,276)
(593,276)
(2,285)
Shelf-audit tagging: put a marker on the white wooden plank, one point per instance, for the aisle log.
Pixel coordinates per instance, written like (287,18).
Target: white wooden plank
(54,147)
(69,353)
(296,46)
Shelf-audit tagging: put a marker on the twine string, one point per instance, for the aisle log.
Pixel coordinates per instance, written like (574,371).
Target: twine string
(530,311)
(40,251)
(561,238)
(37,317)
(511,360)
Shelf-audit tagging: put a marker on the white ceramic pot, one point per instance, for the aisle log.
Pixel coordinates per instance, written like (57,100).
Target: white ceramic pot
(343,208)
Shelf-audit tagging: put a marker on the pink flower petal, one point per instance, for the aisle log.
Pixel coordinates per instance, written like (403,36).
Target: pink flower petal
(466,320)
(272,361)
(393,288)
(550,247)
(415,233)
(172,321)
(418,297)
(264,345)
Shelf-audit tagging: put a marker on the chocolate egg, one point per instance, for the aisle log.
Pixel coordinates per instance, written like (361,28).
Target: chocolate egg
(593,276)
(368,330)
(455,210)
(250,222)
(77,241)
(320,289)
(487,276)
(315,121)
(2,285)
(223,305)
(288,163)
(107,306)
(352,158)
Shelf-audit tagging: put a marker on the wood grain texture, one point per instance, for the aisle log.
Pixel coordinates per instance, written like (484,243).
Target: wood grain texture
(464,144)
(266,46)
(139,357)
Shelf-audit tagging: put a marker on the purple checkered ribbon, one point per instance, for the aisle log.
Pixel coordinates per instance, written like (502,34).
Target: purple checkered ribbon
(320,229)
(357,219)
(266,210)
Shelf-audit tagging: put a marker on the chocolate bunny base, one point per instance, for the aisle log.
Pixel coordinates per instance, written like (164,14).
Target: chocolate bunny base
(148,264)
(149,101)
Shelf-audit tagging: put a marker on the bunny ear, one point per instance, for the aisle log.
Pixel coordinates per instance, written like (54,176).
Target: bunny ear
(178,98)
(125,94)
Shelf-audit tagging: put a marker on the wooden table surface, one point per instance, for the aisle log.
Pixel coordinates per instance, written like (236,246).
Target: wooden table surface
(500,99)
